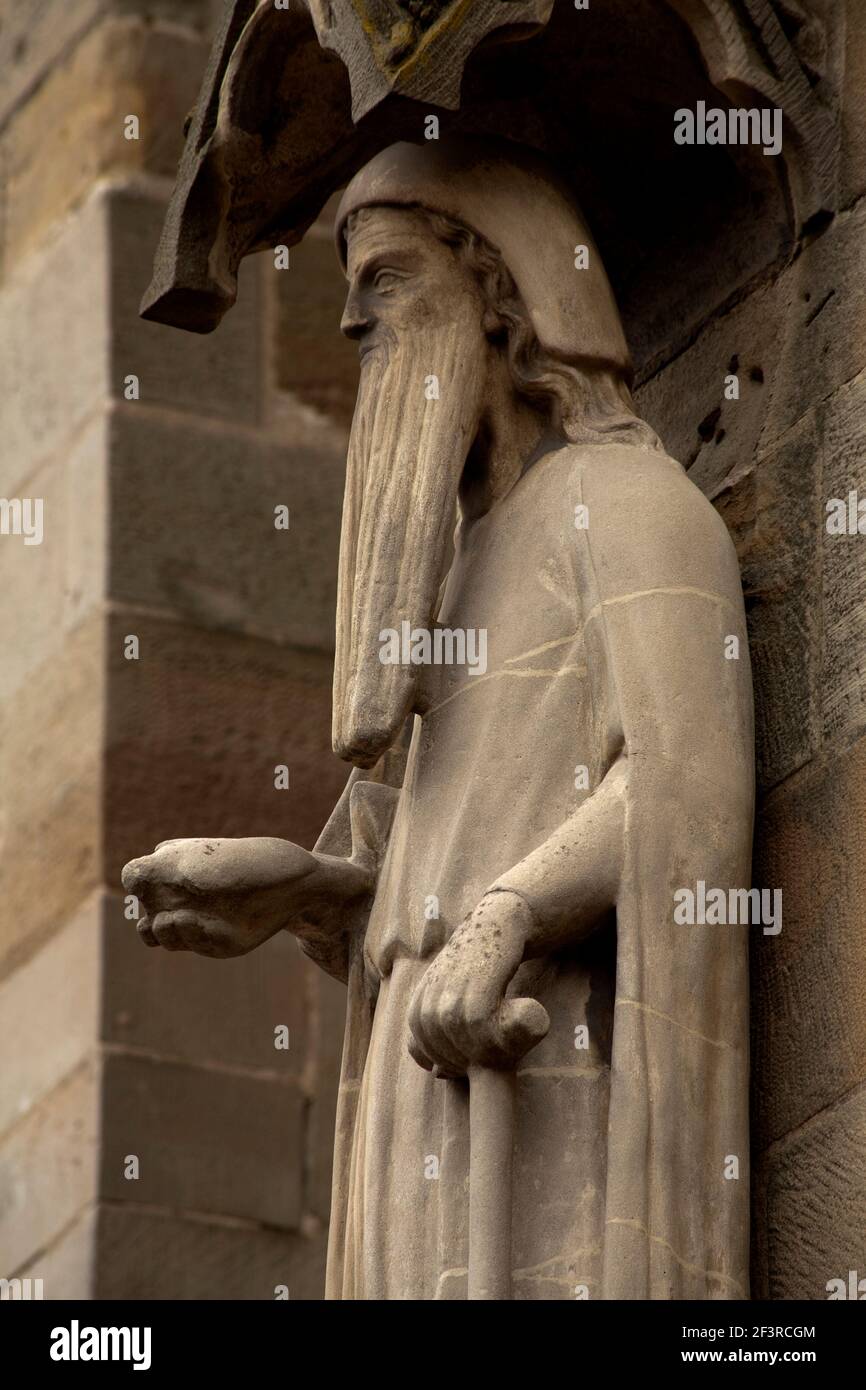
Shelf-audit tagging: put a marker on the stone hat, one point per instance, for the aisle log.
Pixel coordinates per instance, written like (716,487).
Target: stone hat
(513,198)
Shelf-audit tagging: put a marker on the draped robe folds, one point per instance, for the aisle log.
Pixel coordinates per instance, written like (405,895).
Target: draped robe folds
(603,642)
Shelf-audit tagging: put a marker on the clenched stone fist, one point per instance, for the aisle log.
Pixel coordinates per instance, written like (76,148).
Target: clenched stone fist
(459,1015)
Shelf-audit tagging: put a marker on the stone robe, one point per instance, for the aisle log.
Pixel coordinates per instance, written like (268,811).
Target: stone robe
(605,641)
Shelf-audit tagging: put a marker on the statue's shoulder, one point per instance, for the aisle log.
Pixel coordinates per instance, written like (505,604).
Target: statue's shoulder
(644,514)
(619,468)
(629,485)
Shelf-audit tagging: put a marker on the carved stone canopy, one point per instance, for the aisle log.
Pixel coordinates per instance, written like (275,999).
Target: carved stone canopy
(297,98)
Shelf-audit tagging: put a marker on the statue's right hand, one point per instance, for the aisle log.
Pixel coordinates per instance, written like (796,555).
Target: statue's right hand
(219,897)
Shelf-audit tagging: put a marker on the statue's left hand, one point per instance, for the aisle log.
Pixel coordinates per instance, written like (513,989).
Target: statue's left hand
(459,1015)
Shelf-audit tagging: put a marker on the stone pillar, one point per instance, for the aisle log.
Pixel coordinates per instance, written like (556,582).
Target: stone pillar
(159,525)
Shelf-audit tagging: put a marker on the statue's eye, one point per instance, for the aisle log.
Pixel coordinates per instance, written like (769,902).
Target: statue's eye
(385,281)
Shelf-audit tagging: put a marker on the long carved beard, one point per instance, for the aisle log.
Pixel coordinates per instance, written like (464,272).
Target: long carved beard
(406,456)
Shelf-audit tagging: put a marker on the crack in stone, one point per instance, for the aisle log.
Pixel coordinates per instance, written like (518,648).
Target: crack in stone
(496,675)
(657,1013)
(681,1259)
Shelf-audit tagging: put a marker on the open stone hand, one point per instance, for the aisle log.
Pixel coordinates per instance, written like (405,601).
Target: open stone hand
(225,897)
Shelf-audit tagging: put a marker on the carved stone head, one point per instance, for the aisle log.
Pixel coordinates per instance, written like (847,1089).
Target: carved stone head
(484,320)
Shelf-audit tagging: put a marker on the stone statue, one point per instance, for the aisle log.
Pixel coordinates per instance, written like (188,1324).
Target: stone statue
(545,1071)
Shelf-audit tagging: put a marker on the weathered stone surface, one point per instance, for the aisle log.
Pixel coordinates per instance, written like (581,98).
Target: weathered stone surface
(66,1267)
(793,341)
(50,793)
(804,588)
(150,1254)
(71,132)
(772,509)
(843,558)
(208,1140)
(222,374)
(49,1017)
(685,401)
(189,1009)
(195,729)
(813,1192)
(823,344)
(33,39)
(37,36)
(59,582)
(193,527)
(417,50)
(31,569)
(853,107)
(48,1166)
(53,380)
(808,1003)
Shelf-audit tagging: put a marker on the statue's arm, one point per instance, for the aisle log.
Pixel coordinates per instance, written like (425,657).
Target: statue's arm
(568,884)
(357,834)
(223,897)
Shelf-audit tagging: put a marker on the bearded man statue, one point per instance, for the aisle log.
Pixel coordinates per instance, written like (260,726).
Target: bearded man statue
(545,1070)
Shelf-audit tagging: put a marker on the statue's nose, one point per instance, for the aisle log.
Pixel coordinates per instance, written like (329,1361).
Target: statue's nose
(356,320)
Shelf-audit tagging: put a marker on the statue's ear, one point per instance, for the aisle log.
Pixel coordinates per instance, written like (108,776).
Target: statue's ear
(493,324)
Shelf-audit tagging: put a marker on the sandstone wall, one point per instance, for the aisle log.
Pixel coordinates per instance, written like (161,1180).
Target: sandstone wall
(771,461)
(159,523)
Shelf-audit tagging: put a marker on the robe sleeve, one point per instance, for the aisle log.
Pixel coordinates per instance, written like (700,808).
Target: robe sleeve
(358,829)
